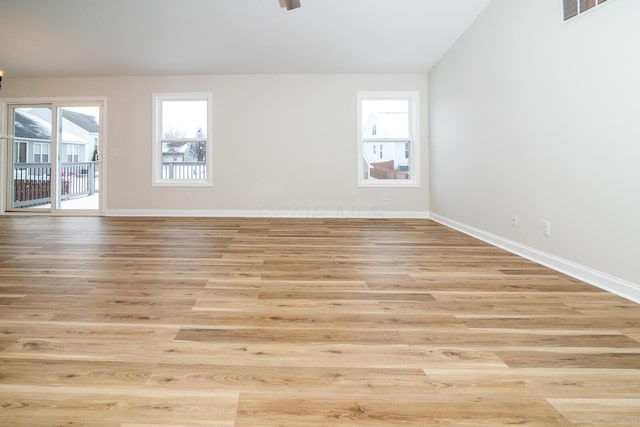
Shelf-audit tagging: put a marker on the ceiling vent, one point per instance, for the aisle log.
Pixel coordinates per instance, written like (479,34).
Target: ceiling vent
(573,8)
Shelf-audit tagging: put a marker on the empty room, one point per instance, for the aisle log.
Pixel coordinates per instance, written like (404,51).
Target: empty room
(319,213)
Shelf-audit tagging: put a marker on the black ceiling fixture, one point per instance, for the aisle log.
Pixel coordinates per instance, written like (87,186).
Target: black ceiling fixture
(291,4)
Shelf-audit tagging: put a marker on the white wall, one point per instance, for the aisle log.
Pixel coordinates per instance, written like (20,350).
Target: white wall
(283,144)
(532,116)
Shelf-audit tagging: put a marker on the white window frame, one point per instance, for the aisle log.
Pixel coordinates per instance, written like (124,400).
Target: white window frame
(41,149)
(73,153)
(156,167)
(413,140)
(17,149)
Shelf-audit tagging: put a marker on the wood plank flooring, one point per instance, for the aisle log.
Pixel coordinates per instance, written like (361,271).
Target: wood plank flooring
(164,322)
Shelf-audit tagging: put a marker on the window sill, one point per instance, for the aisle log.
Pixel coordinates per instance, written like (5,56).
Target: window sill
(182,184)
(390,184)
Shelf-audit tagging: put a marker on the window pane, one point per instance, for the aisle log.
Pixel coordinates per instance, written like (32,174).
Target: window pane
(570,9)
(385,118)
(586,5)
(184,119)
(387,137)
(186,161)
(389,160)
(182,145)
(21,152)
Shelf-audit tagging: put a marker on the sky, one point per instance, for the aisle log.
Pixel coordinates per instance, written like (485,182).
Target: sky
(392,113)
(183,119)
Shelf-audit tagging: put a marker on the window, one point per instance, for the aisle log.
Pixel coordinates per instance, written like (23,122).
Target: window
(73,154)
(40,152)
(573,8)
(181,139)
(388,144)
(20,152)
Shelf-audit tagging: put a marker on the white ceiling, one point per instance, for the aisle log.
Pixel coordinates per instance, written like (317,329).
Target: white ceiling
(166,37)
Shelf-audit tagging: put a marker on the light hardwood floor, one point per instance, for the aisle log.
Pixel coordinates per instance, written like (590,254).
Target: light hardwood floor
(292,322)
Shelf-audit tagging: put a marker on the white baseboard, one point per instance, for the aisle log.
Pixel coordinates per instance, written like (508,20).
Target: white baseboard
(615,285)
(299,213)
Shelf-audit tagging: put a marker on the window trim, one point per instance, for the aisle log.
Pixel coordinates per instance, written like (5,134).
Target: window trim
(413,140)
(156,167)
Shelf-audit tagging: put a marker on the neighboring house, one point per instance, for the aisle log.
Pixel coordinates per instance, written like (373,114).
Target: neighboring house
(82,125)
(385,140)
(32,136)
(178,152)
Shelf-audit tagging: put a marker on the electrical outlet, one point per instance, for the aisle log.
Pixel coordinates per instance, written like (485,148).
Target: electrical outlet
(546,228)
(514,220)
(385,196)
(187,195)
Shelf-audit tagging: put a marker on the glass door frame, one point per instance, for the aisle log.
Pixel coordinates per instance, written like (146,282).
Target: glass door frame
(56,105)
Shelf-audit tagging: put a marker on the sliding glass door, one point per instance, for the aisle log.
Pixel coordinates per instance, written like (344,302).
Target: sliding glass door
(30,169)
(78,168)
(54,158)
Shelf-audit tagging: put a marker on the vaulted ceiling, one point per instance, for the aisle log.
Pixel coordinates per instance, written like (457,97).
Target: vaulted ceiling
(169,37)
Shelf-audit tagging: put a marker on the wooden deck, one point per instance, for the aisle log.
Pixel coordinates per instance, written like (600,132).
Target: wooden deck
(291,322)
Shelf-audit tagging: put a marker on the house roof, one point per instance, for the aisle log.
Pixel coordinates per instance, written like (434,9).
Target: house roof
(189,37)
(28,126)
(33,124)
(85,121)
(175,148)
